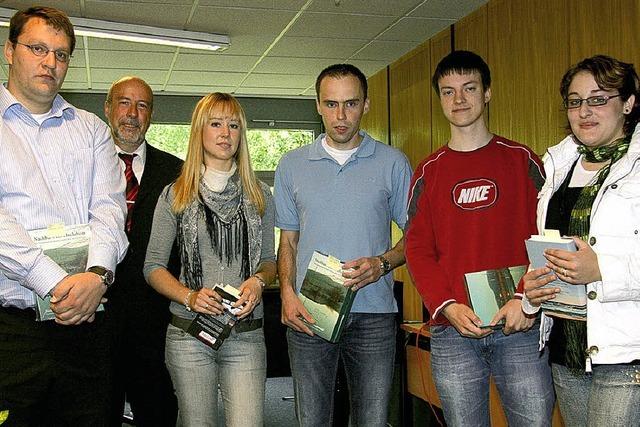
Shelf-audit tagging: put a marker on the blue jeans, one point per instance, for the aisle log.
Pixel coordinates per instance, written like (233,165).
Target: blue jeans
(462,367)
(367,350)
(239,366)
(610,396)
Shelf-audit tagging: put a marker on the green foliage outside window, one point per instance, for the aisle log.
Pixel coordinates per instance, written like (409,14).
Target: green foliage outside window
(265,146)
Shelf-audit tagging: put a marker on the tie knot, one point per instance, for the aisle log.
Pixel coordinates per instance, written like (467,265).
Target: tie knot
(127,158)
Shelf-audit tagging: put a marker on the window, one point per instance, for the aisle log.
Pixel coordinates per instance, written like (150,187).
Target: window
(266,147)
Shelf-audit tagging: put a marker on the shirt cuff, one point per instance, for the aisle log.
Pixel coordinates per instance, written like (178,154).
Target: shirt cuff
(44,276)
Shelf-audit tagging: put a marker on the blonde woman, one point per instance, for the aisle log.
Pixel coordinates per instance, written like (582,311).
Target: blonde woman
(222,218)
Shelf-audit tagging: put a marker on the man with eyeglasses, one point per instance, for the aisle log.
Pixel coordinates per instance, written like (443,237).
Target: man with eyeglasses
(472,205)
(59,167)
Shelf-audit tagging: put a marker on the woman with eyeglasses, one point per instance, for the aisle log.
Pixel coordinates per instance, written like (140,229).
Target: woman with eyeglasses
(592,193)
(222,219)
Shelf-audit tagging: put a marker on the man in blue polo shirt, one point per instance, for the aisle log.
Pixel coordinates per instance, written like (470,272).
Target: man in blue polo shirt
(338,196)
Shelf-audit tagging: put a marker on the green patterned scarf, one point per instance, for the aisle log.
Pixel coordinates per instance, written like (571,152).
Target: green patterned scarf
(576,331)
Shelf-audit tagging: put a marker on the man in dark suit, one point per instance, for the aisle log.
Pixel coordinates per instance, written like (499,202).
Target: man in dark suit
(138,315)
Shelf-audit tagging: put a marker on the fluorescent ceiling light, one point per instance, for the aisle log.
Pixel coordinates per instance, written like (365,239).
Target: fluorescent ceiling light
(139,33)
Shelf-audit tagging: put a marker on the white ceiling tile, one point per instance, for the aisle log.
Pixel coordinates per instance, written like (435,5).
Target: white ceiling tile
(269,91)
(70,7)
(415,30)
(205,78)
(308,66)
(237,21)
(156,14)
(451,9)
(214,62)
(368,7)
(104,75)
(339,25)
(130,60)
(256,4)
(198,90)
(385,51)
(279,80)
(75,75)
(318,47)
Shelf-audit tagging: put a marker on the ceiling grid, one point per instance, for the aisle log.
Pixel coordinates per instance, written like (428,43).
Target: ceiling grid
(277,47)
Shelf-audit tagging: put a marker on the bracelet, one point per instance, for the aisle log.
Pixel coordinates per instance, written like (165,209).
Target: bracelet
(186,300)
(260,280)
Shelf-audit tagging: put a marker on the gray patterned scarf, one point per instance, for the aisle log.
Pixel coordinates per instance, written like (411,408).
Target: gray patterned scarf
(234,227)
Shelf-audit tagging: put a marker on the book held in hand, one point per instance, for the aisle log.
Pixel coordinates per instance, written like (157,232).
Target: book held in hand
(571,302)
(67,246)
(212,330)
(325,297)
(490,290)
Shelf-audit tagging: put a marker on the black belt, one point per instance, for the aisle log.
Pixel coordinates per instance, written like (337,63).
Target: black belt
(241,326)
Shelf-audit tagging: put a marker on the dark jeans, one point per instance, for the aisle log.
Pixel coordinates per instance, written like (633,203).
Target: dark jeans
(367,350)
(462,367)
(52,375)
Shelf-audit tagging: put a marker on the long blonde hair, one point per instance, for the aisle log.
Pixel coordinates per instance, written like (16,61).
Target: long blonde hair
(188,183)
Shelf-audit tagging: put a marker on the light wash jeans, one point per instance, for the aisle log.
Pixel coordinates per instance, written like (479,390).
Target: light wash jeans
(239,366)
(610,396)
(367,349)
(462,367)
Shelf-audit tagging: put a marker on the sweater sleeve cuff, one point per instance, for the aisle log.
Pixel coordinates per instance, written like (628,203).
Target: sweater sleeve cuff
(527,307)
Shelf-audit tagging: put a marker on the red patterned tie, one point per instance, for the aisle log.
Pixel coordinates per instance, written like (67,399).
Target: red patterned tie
(132,186)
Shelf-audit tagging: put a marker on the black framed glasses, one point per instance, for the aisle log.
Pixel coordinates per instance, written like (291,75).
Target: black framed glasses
(42,50)
(592,101)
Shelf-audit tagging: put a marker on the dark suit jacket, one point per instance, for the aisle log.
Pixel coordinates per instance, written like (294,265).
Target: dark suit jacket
(136,306)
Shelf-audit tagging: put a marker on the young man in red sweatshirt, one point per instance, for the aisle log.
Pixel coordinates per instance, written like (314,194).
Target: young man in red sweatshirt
(472,204)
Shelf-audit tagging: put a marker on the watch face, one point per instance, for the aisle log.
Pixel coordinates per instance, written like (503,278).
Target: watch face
(108,277)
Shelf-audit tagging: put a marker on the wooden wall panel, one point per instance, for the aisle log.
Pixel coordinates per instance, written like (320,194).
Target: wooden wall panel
(410,104)
(470,33)
(376,121)
(609,27)
(528,54)
(440,131)
(410,108)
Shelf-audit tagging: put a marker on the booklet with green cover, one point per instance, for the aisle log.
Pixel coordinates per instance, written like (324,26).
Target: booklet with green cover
(67,246)
(490,290)
(325,297)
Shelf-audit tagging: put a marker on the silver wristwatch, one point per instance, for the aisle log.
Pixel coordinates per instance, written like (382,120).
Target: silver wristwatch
(105,274)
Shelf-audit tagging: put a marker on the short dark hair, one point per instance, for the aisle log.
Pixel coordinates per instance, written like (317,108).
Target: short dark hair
(52,16)
(610,74)
(461,62)
(342,70)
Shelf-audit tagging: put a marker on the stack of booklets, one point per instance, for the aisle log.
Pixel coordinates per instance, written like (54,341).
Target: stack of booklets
(489,290)
(571,302)
(212,330)
(325,297)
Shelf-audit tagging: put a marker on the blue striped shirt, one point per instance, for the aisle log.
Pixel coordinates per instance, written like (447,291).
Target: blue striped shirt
(64,170)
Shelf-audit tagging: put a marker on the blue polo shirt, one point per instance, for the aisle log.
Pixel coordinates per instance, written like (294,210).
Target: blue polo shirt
(344,211)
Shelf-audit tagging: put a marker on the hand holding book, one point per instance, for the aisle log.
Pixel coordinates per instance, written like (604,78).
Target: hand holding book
(579,267)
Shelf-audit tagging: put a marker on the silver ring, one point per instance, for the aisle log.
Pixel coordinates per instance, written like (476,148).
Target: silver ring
(564,272)
(206,306)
